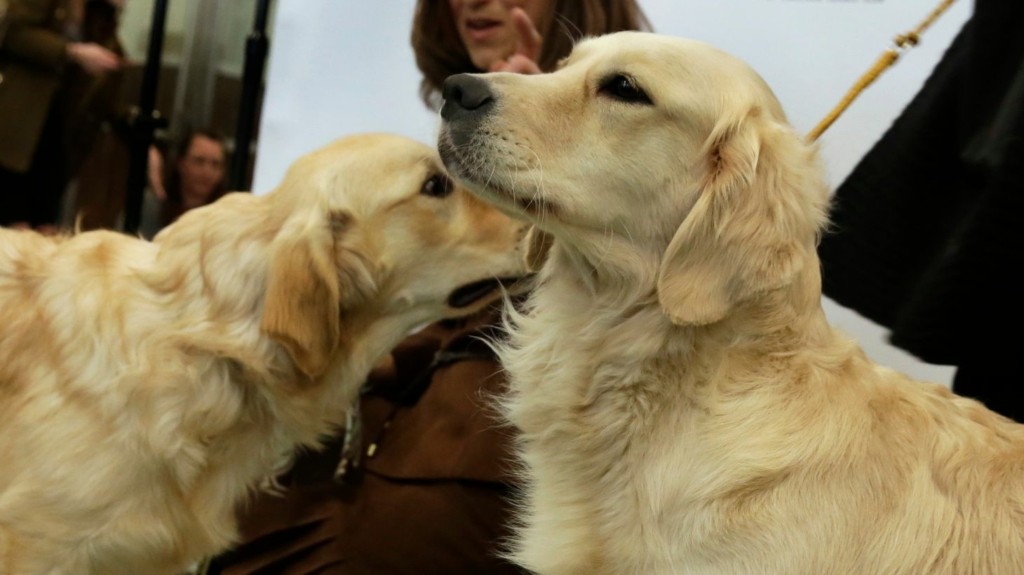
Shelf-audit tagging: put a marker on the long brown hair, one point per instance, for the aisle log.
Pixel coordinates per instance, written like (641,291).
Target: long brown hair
(440,53)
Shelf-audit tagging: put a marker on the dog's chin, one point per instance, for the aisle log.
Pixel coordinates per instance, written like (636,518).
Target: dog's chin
(514,204)
(510,202)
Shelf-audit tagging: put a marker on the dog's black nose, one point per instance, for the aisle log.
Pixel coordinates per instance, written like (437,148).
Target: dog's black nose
(465,93)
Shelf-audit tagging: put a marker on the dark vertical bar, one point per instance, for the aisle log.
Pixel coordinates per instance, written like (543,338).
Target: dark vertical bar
(252,80)
(144,121)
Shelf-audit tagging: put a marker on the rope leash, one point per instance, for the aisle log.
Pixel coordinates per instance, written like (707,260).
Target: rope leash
(901,43)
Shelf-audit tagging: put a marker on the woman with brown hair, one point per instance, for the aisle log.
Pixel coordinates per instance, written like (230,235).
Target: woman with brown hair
(198,174)
(525,36)
(194,177)
(422,481)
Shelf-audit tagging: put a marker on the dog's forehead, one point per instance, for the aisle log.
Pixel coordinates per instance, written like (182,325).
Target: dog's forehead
(365,171)
(375,157)
(685,71)
(660,54)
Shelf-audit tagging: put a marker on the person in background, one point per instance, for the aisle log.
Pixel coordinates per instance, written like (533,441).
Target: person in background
(54,56)
(421,482)
(925,228)
(102,164)
(196,178)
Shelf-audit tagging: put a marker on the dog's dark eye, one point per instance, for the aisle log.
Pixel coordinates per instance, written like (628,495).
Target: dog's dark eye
(623,88)
(437,186)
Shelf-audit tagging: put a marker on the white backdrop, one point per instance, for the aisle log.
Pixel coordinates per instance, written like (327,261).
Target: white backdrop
(343,67)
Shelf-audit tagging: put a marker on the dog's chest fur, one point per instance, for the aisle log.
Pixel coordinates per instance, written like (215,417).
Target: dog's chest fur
(589,407)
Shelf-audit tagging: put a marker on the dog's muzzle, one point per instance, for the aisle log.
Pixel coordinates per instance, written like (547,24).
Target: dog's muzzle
(468,99)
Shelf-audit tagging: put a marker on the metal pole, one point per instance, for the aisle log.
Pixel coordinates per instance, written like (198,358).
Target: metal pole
(252,79)
(144,121)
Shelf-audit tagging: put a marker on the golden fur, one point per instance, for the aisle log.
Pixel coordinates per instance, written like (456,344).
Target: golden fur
(146,387)
(685,407)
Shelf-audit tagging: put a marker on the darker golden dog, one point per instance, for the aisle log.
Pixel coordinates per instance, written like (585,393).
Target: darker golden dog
(145,387)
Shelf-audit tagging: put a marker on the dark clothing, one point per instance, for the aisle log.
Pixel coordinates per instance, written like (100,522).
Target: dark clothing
(432,497)
(34,196)
(925,224)
(32,60)
(50,109)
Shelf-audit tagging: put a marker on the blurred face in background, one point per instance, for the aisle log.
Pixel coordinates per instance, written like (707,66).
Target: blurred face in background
(201,170)
(486,28)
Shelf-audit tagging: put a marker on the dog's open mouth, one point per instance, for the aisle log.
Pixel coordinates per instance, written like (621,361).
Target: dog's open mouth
(469,294)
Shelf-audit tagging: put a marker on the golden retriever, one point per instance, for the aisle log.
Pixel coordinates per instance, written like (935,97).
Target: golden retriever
(684,405)
(146,387)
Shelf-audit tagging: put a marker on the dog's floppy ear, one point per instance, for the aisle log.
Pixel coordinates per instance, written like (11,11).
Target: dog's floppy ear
(737,240)
(301,307)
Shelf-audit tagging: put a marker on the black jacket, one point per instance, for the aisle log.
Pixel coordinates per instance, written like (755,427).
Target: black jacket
(925,237)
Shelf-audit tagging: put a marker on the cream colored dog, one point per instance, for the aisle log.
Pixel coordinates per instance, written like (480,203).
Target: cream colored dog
(145,387)
(684,406)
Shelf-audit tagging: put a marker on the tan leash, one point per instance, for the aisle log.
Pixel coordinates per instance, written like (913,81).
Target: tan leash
(901,43)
